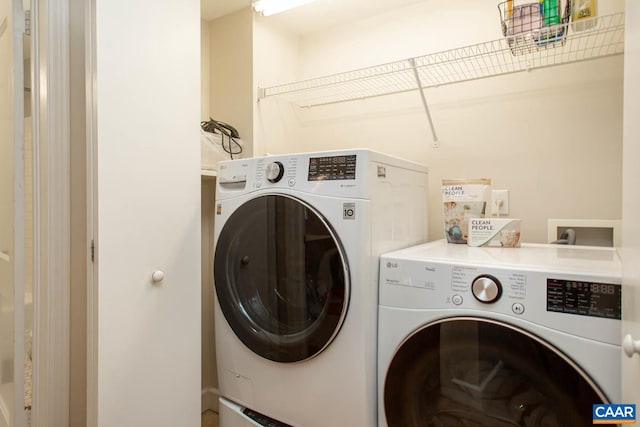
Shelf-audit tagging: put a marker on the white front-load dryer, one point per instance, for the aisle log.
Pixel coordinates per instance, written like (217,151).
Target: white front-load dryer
(498,336)
(297,245)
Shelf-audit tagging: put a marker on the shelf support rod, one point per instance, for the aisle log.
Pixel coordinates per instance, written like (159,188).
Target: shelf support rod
(436,143)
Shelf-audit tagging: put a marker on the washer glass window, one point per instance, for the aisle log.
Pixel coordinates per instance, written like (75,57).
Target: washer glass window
(281,278)
(477,372)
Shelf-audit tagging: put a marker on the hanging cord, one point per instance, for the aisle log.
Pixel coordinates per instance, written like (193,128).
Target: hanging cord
(232,146)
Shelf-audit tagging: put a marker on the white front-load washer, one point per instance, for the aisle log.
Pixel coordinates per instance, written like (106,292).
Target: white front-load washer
(297,245)
(498,336)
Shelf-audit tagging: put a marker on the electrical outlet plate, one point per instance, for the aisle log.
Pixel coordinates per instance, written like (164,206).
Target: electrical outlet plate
(497,195)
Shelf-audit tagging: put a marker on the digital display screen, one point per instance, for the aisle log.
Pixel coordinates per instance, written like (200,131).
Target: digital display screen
(584,298)
(332,168)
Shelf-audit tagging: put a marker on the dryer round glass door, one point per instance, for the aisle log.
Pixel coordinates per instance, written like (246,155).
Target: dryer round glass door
(478,372)
(281,278)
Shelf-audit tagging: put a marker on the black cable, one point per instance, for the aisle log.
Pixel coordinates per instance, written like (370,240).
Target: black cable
(223,129)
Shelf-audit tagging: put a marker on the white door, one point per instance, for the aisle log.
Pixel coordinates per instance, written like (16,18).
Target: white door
(631,202)
(11,215)
(145,317)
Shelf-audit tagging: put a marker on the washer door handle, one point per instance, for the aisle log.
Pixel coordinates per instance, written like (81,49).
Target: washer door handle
(630,346)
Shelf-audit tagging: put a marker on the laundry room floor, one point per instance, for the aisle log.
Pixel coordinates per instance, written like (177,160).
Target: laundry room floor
(209,419)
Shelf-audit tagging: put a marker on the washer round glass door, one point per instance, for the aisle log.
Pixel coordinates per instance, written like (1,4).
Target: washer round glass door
(281,278)
(478,372)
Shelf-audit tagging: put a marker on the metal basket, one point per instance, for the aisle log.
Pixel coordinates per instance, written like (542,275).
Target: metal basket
(530,26)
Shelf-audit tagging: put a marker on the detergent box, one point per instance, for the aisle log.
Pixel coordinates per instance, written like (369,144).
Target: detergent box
(494,232)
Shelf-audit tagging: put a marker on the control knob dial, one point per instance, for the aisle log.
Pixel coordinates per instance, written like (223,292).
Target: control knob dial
(275,171)
(487,289)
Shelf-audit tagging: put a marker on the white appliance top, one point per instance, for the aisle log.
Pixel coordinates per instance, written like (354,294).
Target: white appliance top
(574,289)
(345,173)
(583,260)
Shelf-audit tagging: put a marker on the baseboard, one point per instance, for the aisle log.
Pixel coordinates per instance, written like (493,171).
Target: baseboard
(210,399)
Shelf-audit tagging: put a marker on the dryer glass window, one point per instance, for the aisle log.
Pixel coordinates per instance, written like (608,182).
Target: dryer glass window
(281,278)
(477,372)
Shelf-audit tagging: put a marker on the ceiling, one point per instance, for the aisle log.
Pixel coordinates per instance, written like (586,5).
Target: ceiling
(312,17)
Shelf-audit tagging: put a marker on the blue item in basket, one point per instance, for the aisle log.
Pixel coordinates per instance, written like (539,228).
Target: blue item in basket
(550,35)
(541,7)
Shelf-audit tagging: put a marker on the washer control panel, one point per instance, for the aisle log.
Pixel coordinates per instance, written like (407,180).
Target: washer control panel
(281,172)
(332,168)
(287,170)
(330,174)
(350,173)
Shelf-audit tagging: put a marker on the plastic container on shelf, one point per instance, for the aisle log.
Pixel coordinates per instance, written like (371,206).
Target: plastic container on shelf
(583,14)
(550,12)
(525,18)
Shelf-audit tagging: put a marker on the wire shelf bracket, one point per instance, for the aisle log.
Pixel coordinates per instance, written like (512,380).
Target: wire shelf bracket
(436,143)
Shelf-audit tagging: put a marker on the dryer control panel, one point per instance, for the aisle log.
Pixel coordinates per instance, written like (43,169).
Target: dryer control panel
(576,290)
(584,298)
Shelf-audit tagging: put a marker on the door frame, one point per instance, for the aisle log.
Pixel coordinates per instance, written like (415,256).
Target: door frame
(51,287)
(630,203)
(91,209)
(17,249)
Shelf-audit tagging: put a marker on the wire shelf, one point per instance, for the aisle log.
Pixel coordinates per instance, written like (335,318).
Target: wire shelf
(493,58)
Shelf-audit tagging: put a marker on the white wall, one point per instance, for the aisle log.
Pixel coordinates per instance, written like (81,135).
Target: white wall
(205,70)
(231,65)
(552,137)
(227,95)
(277,54)
(209,377)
